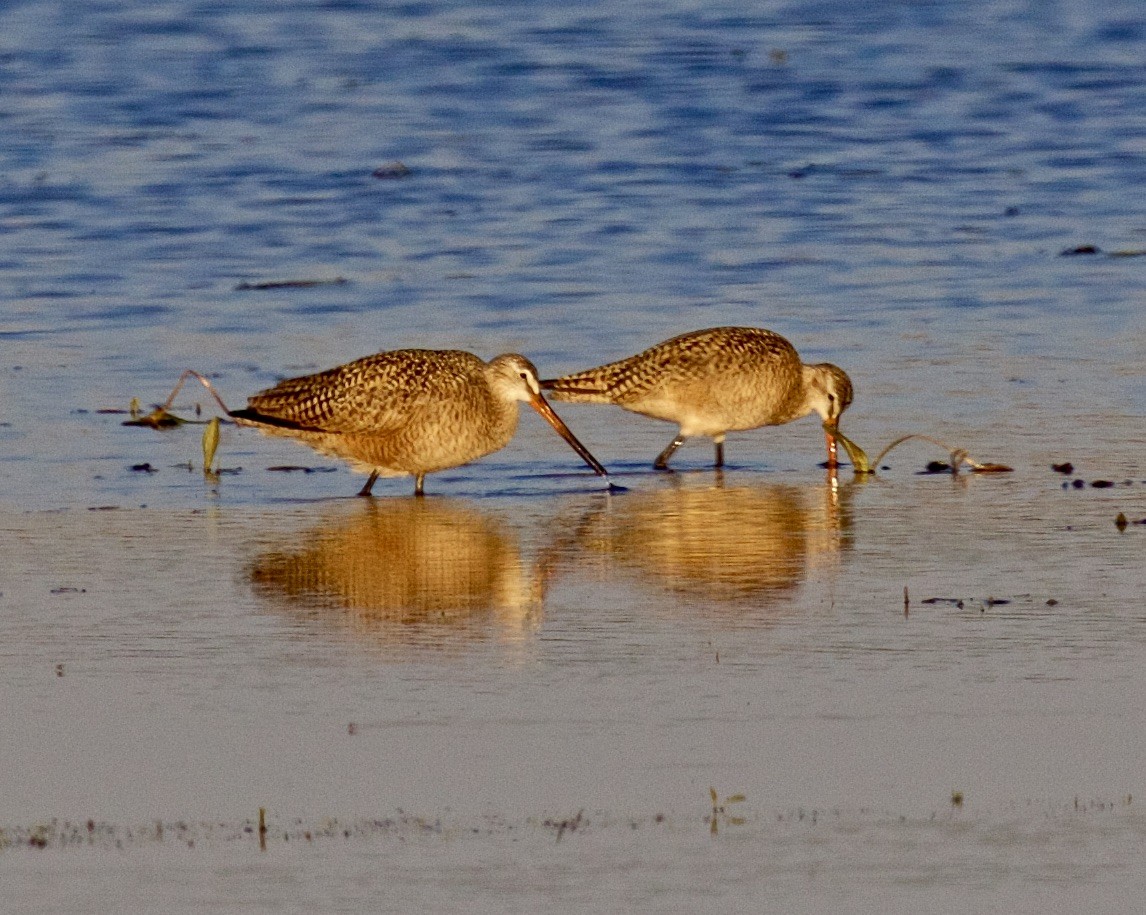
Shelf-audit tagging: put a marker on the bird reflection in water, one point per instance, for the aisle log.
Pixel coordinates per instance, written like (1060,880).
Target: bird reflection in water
(398,566)
(718,546)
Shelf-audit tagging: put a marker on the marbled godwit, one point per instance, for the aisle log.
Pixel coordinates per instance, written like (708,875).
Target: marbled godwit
(715,381)
(407,411)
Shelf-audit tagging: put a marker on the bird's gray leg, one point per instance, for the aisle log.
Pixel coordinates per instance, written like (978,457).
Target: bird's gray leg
(661,463)
(418,481)
(365,490)
(719,454)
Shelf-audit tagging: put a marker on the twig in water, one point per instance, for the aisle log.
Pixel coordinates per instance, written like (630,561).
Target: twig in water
(162,417)
(958,455)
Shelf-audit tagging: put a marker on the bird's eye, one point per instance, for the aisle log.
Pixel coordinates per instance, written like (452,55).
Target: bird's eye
(831,398)
(525,376)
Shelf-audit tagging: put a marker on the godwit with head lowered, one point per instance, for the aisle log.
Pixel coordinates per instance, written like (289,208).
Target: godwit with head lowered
(715,381)
(411,411)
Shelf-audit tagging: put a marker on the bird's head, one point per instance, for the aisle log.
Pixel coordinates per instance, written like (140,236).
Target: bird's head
(829,392)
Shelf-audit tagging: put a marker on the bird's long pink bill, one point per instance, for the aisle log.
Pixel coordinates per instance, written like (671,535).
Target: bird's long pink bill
(830,440)
(541,405)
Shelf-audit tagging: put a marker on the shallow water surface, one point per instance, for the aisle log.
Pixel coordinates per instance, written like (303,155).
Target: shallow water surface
(913,691)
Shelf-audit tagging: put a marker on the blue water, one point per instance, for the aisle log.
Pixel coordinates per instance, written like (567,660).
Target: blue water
(891,185)
(583,182)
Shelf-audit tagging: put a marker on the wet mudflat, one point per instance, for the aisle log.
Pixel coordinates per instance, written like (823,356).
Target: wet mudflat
(918,691)
(505,695)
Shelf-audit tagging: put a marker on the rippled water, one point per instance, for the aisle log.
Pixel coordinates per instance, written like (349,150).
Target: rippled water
(518,692)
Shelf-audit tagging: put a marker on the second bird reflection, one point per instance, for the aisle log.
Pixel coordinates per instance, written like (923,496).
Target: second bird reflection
(734,546)
(403,561)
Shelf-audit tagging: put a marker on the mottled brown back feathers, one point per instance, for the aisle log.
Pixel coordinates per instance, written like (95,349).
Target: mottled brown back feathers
(370,395)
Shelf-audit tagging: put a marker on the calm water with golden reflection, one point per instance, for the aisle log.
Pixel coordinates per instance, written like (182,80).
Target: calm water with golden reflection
(765,689)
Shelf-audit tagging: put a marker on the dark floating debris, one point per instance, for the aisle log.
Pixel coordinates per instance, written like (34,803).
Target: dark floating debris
(158,418)
(984,603)
(298,468)
(144,468)
(1077,484)
(1101,484)
(391,171)
(1094,249)
(1067,467)
(1120,522)
(944,467)
(291,284)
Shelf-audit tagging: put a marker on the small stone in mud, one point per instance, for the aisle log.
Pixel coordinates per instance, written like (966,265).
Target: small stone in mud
(1051,602)
(1120,522)
(1101,484)
(992,468)
(1080,249)
(144,468)
(391,170)
(1067,468)
(937,467)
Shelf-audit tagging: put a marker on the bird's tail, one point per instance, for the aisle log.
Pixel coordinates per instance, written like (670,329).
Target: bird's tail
(590,386)
(251,417)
